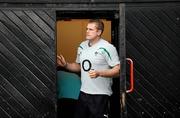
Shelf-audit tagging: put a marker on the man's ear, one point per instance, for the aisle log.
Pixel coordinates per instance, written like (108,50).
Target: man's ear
(99,32)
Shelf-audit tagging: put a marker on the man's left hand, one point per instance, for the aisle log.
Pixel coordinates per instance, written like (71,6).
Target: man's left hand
(93,74)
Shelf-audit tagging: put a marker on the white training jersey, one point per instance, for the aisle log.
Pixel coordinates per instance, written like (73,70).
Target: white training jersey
(100,56)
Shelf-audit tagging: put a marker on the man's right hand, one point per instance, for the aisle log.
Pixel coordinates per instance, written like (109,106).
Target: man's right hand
(61,61)
(72,67)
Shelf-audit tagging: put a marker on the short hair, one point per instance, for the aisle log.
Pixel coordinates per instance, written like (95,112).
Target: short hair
(99,23)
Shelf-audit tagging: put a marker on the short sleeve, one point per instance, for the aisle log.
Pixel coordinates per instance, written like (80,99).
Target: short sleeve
(79,50)
(111,55)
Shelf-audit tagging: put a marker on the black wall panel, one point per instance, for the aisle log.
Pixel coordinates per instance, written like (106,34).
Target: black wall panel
(27,64)
(153,42)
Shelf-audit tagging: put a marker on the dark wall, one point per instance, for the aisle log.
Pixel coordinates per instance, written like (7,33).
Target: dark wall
(153,42)
(27,64)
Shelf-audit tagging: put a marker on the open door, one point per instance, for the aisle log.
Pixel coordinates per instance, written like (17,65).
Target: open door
(71,27)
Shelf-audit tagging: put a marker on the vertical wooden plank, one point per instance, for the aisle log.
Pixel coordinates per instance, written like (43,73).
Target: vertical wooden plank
(122,51)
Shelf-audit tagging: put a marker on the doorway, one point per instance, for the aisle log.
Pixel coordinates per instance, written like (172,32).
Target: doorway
(71,27)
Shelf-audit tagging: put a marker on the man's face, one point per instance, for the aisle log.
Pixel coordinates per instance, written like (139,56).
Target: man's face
(92,32)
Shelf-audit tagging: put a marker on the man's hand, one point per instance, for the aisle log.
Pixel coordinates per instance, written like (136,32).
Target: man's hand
(109,73)
(61,61)
(93,74)
(72,67)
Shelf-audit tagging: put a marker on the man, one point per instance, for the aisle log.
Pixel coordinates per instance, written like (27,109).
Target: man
(98,62)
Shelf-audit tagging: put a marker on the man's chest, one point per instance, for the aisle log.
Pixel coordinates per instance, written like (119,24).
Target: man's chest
(92,57)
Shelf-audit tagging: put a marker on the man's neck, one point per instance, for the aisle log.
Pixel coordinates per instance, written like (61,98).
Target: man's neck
(94,41)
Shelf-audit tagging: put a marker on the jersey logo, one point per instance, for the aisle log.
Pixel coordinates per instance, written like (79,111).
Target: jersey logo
(96,53)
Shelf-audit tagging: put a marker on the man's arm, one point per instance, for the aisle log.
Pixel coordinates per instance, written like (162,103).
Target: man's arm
(114,72)
(72,67)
